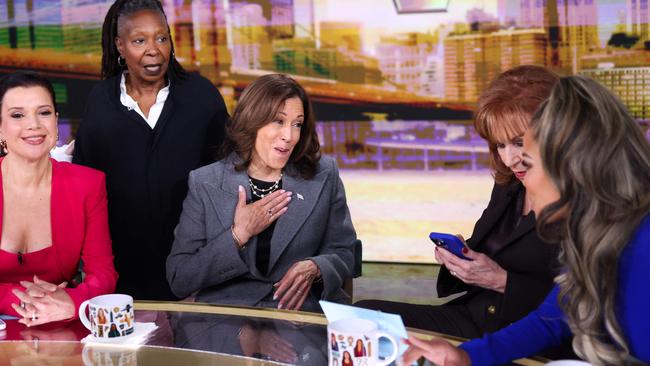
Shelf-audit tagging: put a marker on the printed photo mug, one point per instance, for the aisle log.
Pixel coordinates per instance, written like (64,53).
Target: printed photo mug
(109,316)
(355,342)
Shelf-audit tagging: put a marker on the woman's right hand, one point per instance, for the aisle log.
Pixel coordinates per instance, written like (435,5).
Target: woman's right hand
(436,350)
(251,219)
(480,270)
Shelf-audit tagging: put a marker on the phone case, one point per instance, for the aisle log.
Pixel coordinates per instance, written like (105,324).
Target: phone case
(449,242)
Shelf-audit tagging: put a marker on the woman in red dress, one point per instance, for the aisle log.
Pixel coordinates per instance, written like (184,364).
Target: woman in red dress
(52,215)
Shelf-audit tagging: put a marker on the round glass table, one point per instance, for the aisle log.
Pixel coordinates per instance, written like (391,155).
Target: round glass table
(190,334)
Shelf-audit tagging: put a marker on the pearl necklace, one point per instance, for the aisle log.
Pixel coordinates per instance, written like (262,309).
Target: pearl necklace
(259,192)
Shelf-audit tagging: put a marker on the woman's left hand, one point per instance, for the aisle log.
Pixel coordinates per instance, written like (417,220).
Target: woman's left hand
(294,286)
(481,271)
(44,303)
(436,350)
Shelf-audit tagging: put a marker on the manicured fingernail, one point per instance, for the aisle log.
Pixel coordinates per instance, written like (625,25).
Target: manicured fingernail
(240,188)
(282,191)
(275,297)
(289,193)
(465,250)
(288,199)
(280,306)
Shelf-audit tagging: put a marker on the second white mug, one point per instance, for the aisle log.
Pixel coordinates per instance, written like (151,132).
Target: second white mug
(355,342)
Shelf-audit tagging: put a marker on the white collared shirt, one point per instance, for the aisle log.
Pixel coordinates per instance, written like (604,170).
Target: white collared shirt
(154,111)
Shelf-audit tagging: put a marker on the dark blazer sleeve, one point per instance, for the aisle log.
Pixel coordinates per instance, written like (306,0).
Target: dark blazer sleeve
(335,258)
(526,290)
(197,260)
(448,284)
(530,264)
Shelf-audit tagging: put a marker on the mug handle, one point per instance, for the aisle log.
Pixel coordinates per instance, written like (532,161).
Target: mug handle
(393,355)
(82,315)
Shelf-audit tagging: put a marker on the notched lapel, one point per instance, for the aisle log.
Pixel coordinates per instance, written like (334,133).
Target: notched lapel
(525,226)
(224,196)
(492,215)
(299,209)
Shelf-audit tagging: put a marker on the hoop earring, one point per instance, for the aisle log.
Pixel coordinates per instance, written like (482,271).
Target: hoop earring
(173,55)
(123,63)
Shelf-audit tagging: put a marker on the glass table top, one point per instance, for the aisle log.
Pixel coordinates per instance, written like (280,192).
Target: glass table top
(186,334)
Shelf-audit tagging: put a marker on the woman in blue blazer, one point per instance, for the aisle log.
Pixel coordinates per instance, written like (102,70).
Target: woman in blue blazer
(588,177)
(268,225)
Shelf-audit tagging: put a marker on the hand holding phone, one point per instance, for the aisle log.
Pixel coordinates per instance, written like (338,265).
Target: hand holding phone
(450,242)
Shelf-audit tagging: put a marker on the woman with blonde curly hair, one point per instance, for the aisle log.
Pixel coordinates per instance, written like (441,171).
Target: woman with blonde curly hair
(588,177)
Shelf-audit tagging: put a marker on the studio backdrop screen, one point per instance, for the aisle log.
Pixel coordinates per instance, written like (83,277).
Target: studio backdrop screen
(393,82)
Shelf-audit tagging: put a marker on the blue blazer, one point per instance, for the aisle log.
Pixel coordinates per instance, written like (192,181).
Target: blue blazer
(546,327)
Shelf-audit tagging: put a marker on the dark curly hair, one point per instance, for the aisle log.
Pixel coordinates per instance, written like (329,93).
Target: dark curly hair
(258,105)
(121,8)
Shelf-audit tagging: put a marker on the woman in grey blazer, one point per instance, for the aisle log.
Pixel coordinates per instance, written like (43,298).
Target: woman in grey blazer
(268,225)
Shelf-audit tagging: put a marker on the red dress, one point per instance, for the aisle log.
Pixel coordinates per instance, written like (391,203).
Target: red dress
(37,263)
(79,218)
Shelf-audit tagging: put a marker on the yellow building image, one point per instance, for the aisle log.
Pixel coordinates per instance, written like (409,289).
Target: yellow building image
(404,58)
(626,73)
(473,60)
(344,36)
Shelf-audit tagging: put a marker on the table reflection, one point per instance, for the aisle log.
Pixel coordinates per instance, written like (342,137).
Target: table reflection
(274,340)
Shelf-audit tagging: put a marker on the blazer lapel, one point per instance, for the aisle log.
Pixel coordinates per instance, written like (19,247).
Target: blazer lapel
(493,215)
(525,226)
(305,196)
(223,198)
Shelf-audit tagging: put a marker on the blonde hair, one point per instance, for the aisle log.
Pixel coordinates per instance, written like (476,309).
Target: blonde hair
(598,158)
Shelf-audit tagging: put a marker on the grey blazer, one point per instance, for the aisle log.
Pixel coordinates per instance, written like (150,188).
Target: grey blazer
(316,226)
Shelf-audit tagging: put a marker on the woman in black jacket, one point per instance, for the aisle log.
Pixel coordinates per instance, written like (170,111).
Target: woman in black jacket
(146,125)
(511,270)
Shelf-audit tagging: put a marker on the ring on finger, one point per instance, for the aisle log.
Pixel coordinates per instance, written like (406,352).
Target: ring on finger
(453,273)
(270,211)
(299,292)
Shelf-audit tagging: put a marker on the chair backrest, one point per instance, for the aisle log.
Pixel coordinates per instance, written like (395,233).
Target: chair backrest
(356,270)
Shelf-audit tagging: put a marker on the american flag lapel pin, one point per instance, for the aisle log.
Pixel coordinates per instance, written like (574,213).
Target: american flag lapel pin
(300,197)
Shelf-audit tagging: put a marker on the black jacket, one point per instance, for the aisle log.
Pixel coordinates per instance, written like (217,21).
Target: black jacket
(530,263)
(146,171)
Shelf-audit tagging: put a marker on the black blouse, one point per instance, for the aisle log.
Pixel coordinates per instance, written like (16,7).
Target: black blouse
(263,252)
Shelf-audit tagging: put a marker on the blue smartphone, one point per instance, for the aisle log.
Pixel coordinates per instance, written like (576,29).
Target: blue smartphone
(449,242)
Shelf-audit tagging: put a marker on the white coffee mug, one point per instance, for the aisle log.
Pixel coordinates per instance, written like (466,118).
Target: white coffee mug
(355,342)
(109,316)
